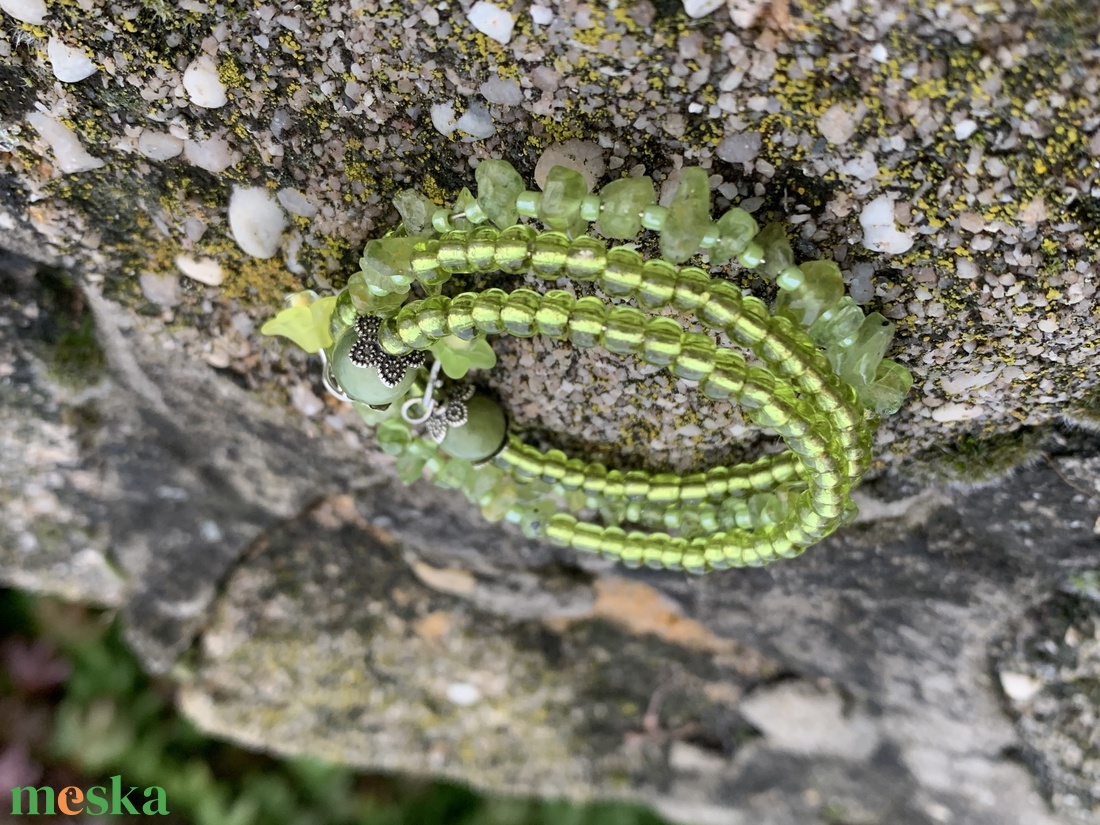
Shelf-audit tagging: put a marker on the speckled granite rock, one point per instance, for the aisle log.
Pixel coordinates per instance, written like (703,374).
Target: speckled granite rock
(192,474)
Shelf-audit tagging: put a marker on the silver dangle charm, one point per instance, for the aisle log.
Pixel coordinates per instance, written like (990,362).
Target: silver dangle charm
(450,411)
(368,353)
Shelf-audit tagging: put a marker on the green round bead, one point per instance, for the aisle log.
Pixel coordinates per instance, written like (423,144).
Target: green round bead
(362,383)
(483,433)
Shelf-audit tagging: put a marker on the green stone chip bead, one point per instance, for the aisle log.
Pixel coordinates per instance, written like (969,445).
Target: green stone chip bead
(498,186)
(856,360)
(586,322)
(366,300)
(513,249)
(625,330)
(551,251)
(658,283)
(837,323)
(622,272)
(822,287)
(393,436)
(663,341)
(483,434)
(560,207)
(735,229)
(887,392)
(387,263)
(552,316)
(778,254)
(343,315)
(586,258)
(517,316)
(416,212)
(623,202)
(535,518)
(688,216)
(481,249)
(362,383)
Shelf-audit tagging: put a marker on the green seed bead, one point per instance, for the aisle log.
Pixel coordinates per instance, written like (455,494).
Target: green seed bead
(586,258)
(425,257)
(513,249)
(408,328)
(586,537)
(692,289)
(590,208)
(625,331)
(636,485)
(664,489)
(452,252)
(574,474)
(613,484)
(481,249)
(362,383)
(822,287)
(552,316)
(693,488)
(658,283)
(562,195)
(688,216)
(483,434)
(654,217)
(486,310)
(653,550)
(498,186)
(663,341)
(527,203)
(551,251)
(460,316)
(758,388)
(622,272)
(752,327)
(553,466)
(560,528)
(431,317)
(631,555)
(623,202)
(517,316)
(586,322)
(723,308)
(613,542)
(697,357)
(752,256)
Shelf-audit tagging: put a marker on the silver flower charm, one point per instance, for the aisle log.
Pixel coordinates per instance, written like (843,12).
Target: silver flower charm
(450,411)
(368,353)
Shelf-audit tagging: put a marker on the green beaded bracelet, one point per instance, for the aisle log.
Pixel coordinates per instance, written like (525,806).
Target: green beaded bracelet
(821,382)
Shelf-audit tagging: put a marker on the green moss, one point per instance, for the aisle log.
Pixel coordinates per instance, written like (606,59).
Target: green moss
(68,330)
(974,459)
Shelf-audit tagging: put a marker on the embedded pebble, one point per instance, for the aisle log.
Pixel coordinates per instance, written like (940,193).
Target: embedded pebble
(204,270)
(583,155)
(212,154)
(160,289)
(1019,687)
(542,15)
(69,64)
(965,128)
(837,124)
(26,11)
(256,221)
(463,693)
(880,234)
(491,21)
(159,145)
(296,203)
(68,153)
(476,122)
(741,148)
(957,412)
(743,13)
(501,91)
(203,85)
(443,118)
(701,8)
(966,269)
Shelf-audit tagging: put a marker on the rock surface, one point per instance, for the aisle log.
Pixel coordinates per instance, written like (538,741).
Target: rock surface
(160,458)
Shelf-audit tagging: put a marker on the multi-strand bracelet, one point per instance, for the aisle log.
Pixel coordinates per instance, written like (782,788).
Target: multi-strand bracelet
(819,379)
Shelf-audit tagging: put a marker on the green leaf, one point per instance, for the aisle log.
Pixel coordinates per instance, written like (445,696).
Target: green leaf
(457,356)
(305,325)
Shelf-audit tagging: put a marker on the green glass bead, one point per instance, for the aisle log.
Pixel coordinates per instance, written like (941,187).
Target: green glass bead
(552,316)
(408,327)
(622,272)
(586,322)
(657,285)
(623,202)
(586,258)
(362,383)
(752,326)
(822,287)
(431,317)
(625,330)
(453,475)
(561,527)
(758,388)
(460,317)
(778,254)
(387,263)
(513,249)
(837,323)
(723,307)
(590,208)
(887,392)
(486,310)
(343,315)
(452,251)
(692,289)
(517,316)
(498,506)
(663,340)
(551,251)
(482,435)
(367,301)
(856,362)
(535,518)
(481,249)
(696,358)
(498,186)
(791,278)
(752,256)
(688,216)
(735,229)
(416,212)
(560,207)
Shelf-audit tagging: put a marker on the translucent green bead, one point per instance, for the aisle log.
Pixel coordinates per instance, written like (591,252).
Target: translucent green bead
(586,258)
(452,251)
(657,285)
(625,332)
(855,361)
(367,301)
(663,341)
(513,249)
(837,323)
(393,436)
(623,202)
(586,322)
(622,271)
(343,315)
(482,435)
(696,358)
(822,287)
(416,212)
(887,392)
(431,317)
(460,317)
(723,308)
(517,316)
(551,251)
(481,249)
(363,383)
(410,467)
(735,229)
(752,326)
(498,186)
(498,506)
(536,517)
(452,475)
(408,328)
(560,207)
(758,388)
(692,288)
(561,527)
(552,316)
(778,254)
(688,216)
(486,310)
(387,263)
